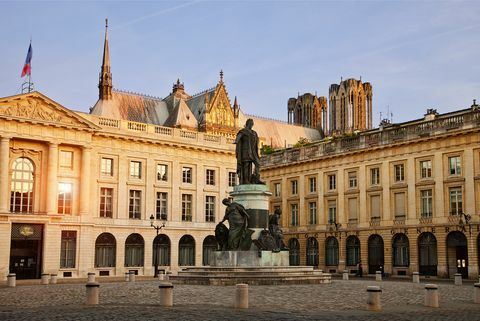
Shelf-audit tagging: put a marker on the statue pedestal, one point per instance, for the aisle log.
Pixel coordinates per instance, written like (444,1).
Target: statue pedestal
(249,258)
(254,197)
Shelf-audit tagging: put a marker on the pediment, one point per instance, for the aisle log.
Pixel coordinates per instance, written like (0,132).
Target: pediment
(39,108)
(219,110)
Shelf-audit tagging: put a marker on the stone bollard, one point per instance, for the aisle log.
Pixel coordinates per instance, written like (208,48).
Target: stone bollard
(11,280)
(53,279)
(458,279)
(45,278)
(345,275)
(166,294)
(373,298)
(127,276)
(431,295)
(476,293)
(90,277)
(241,296)
(416,277)
(131,277)
(93,291)
(378,276)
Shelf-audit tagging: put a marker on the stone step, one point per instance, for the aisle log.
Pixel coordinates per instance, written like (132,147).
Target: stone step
(252,280)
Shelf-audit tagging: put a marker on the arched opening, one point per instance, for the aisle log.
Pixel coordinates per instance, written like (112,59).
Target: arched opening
(375,254)
(186,251)
(21,194)
(457,254)
(105,250)
(427,254)
(209,246)
(294,251)
(331,251)
(353,250)
(161,250)
(400,250)
(134,250)
(312,251)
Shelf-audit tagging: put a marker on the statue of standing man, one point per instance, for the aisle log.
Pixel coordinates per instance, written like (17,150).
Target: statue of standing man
(248,161)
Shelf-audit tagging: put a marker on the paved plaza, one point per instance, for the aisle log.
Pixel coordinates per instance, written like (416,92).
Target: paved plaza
(340,300)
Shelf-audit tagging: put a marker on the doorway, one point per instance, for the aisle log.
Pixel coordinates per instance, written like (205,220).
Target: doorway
(457,254)
(375,254)
(26,250)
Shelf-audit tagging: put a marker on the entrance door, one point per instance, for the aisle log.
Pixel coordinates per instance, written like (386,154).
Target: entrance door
(427,257)
(26,251)
(457,254)
(462,261)
(375,254)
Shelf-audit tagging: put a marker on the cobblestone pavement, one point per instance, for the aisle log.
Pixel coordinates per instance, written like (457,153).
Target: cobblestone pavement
(341,300)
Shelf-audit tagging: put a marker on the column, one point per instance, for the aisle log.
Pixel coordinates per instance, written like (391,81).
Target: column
(52,177)
(85,181)
(4,169)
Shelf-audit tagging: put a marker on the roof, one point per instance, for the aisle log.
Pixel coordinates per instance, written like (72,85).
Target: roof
(181,116)
(197,103)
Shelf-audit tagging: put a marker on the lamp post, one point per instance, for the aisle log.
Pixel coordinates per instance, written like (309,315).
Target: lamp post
(157,229)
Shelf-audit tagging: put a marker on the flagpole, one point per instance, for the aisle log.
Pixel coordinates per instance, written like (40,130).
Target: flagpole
(30,73)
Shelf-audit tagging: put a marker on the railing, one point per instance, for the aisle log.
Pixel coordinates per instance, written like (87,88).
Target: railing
(381,136)
(163,130)
(375,221)
(425,220)
(139,127)
(211,138)
(108,122)
(188,134)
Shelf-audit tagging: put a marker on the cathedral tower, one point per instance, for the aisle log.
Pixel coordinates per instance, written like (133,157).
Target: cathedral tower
(105,82)
(308,110)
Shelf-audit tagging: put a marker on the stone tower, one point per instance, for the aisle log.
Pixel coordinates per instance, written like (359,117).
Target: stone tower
(350,106)
(308,110)
(105,82)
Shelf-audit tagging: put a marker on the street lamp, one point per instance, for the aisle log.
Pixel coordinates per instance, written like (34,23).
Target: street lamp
(157,228)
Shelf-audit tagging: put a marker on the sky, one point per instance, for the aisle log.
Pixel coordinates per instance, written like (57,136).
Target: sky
(416,54)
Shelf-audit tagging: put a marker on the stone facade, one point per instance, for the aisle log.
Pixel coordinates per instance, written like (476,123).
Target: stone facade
(402,198)
(308,110)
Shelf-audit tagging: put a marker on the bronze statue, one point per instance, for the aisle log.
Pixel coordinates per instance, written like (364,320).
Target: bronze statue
(248,161)
(266,242)
(239,235)
(275,230)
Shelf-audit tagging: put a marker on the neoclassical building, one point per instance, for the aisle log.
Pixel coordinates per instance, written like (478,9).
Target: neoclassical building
(400,198)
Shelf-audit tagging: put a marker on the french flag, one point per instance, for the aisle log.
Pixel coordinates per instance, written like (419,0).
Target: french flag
(27,68)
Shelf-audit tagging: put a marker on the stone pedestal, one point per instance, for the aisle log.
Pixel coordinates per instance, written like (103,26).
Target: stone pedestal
(11,280)
(241,296)
(416,277)
(458,279)
(249,258)
(90,277)
(93,291)
(373,298)
(53,279)
(345,275)
(127,276)
(131,277)
(431,295)
(254,197)
(378,276)
(45,278)
(166,294)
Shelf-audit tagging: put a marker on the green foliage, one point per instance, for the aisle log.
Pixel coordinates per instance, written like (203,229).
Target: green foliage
(301,142)
(266,149)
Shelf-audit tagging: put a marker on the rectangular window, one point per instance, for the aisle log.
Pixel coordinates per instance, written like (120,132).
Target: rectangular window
(352,210)
(294,187)
(66,159)
(332,212)
(134,207)
(399,206)
(332,182)
(135,169)
(187,175)
(375,176)
(162,172)
(210,208)
(375,206)
(294,212)
(68,249)
(106,202)
(352,179)
(106,166)
(455,165)
(277,189)
(312,183)
(232,179)
(426,169)
(161,208)
(210,177)
(187,207)
(426,199)
(64,198)
(456,203)
(312,211)
(399,172)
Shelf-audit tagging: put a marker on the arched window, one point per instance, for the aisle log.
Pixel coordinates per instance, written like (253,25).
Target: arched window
(331,251)
(375,254)
(186,251)
(209,246)
(21,194)
(312,251)
(105,250)
(134,246)
(294,252)
(427,254)
(400,250)
(161,250)
(353,250)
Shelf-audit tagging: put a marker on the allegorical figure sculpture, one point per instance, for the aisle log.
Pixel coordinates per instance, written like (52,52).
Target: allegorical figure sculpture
(266,242)
(238,236)
(248,161)
(275,230)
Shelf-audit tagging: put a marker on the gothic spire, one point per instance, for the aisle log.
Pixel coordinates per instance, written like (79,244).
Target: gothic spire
(105,83)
